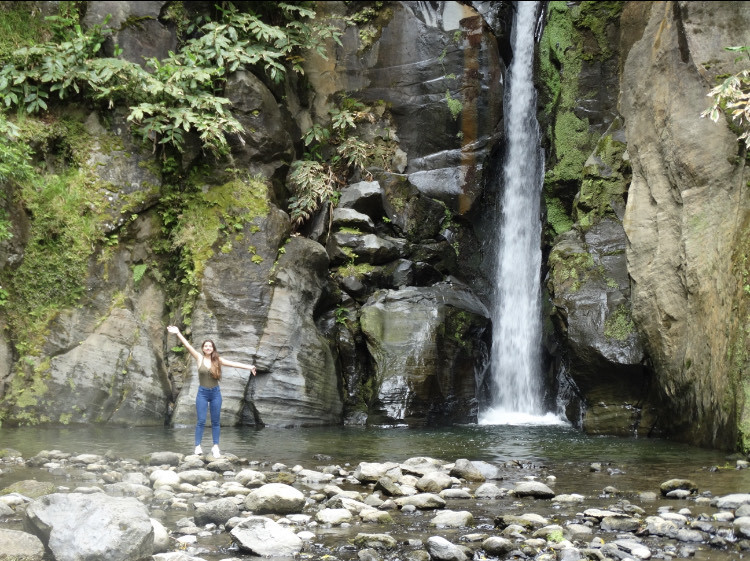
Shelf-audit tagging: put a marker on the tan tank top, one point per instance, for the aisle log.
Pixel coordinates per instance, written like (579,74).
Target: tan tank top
(204,374)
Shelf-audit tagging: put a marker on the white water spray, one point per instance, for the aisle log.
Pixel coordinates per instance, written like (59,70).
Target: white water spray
(516,308)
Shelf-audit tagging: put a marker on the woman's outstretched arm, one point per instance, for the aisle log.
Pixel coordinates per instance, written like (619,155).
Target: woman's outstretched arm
(174,329)
(233,364)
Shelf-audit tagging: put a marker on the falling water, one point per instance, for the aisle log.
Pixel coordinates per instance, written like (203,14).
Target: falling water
(516,310)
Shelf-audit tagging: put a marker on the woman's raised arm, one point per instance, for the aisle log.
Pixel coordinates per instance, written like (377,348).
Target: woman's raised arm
(233,364)
(174,329)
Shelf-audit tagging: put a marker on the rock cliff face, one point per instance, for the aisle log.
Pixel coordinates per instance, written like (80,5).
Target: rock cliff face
(366,317)
(375,311)
(686,217)
(664,349)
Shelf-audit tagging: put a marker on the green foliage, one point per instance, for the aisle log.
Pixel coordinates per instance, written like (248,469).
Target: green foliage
(15,156)
(333,153)
(138,272)
(181,94)
(732,97)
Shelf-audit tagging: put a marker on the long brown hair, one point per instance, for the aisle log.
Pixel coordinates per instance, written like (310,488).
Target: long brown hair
(215,362)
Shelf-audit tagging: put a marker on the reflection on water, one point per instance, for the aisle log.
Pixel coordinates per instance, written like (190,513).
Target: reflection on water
(492,443)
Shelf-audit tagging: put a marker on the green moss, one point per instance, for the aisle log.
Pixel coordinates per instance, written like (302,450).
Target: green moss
(619,325)
(456,328)
(67,213)
(557,218)
(22,24)
(566,44)
(358,271)
(739,343)
(597,16)
(573,143)
(606,179)
(26,392)
(570,270)
(353,231)
(209,215)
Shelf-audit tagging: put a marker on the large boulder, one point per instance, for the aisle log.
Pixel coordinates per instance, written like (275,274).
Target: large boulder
(20,546)
(266,538)
(258,304)
(425,343)
(92,527)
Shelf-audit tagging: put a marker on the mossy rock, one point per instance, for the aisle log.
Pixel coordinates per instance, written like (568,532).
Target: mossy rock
(280,477)
(30,488)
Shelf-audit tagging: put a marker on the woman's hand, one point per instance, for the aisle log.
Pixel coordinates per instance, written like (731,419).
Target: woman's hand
(173,329)
(253,370)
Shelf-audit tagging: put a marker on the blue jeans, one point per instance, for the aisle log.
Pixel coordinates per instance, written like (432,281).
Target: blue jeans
(208,398)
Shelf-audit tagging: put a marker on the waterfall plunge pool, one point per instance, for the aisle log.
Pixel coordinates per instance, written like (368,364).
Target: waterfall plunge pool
(630,464)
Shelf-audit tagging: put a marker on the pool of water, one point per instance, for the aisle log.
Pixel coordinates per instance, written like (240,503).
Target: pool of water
(560,450)
(630,465)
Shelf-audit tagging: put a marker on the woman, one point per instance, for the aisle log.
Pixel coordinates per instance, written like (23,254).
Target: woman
(209,393)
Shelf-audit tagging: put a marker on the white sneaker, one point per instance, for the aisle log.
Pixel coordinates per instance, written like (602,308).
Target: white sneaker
(198,450)
(215,451)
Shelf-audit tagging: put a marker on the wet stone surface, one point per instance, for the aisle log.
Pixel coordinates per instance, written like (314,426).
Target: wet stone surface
(419,509)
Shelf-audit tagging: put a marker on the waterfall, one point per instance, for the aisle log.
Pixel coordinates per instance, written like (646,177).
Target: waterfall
(516,307)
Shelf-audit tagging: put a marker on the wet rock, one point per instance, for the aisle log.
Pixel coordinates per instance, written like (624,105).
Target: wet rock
(30,488)
(741,526)
(434,482)
(262,536)
(365,197)
(578,532)
(441,549)
(422,501)
(176,556)
(334,516)
(490,491)
(250,478)
(369,554)
(629,547)
(535,489)
(164,478)
(375,541)
(371,472)
(196,476)
(678,484)
(164,458)
(216,512)
(497,546)
(619,523)
(87,527)
(453,519)
(20,546)
(388,487)
(277,498)
(733,501)
(161,537)
(465,469)
(526,521)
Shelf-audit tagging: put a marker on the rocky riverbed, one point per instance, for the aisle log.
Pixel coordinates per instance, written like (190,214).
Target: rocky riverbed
(167,506)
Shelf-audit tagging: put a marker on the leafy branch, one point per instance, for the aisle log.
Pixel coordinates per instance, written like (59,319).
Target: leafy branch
(182,93)
(333,153)
(732,97)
